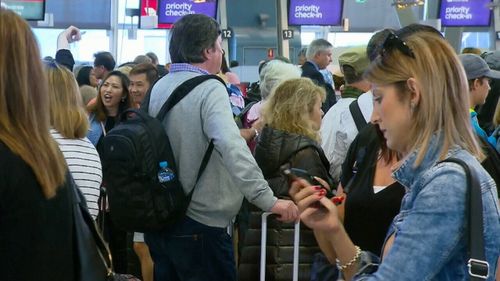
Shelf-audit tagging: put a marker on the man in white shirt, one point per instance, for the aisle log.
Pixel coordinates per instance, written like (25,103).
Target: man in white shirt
(338,128)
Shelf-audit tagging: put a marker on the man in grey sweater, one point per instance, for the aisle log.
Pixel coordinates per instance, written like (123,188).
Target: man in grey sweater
(198,247)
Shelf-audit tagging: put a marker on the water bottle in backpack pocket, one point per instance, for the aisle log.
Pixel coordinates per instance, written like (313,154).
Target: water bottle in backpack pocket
(165,174)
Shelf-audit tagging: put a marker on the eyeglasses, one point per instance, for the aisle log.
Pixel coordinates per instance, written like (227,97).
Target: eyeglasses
(394,42)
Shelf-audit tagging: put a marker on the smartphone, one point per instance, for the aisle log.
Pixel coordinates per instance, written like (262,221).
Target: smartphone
(294,173)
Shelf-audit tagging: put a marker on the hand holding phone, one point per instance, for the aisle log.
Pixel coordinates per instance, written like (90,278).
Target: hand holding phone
(294,173)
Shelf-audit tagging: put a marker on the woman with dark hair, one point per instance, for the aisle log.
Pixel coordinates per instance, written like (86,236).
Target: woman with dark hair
(112,100)
(87,83)
(36,222)
(85,76)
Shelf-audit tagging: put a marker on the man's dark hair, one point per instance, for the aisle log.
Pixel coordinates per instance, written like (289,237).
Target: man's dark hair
(145,68)
(373,47)
(191,35)
(105,59)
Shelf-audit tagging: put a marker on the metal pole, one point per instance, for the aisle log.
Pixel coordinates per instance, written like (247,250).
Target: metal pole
(113,32)
(282,24)
(223,25)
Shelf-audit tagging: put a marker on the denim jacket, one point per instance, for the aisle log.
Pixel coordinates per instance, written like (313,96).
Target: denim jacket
(430,230)
(95,130)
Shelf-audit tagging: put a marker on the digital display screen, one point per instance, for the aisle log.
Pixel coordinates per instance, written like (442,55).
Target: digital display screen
(315,12)
(465,12)
(169,11)
(27,9)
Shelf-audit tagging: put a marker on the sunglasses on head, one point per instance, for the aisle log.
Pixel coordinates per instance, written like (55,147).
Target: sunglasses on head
(50,63)
(394,42)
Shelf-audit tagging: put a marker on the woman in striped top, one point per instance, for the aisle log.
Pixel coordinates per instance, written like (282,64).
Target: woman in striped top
(69,128)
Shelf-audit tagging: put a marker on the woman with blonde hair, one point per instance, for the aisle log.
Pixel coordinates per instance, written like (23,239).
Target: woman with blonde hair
(70,124)
(291,139)
(36,222)
(421,105)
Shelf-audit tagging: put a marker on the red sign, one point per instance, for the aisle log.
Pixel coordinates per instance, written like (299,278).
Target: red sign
(150,8)
(270,53)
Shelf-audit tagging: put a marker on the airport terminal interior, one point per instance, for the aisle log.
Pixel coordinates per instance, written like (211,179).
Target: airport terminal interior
(249,140)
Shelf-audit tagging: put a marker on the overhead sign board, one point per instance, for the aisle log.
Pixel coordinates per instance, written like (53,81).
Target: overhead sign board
(169,11)
(465,12)
(315,12)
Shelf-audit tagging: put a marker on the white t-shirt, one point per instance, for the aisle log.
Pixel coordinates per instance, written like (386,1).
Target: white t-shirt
(338,130)
(85,167)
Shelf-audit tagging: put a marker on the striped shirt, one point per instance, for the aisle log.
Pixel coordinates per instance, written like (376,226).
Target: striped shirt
(85,167)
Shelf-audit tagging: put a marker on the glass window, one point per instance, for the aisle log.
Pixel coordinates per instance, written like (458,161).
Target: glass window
(307,37)
(83,51)
(479,40)
(146,41)
(347,39)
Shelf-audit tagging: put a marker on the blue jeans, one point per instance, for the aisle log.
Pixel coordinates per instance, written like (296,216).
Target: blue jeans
(191,251)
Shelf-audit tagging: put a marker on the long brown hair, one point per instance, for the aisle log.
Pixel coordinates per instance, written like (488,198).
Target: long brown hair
(24,103)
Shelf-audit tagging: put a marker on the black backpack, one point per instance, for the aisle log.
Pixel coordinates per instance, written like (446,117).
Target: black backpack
(130,156)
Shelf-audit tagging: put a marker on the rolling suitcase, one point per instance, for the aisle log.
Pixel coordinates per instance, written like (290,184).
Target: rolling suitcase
(263,244)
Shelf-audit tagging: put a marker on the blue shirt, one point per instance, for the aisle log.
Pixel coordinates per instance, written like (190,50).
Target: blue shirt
(430,230)
(479,131)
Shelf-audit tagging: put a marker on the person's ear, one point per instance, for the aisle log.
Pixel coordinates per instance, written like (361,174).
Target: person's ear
(207,53)
(415,91)
(476,84)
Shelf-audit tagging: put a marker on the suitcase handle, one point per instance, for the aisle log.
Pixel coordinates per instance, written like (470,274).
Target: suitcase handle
(263,244)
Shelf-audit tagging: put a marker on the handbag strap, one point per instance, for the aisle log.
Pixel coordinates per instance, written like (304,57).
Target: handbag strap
(102,248)
(477,264)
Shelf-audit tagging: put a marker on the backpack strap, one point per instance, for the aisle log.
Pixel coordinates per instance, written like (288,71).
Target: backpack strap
(183,90)
(478,266)
(177,95)
(187,86)
(357,115)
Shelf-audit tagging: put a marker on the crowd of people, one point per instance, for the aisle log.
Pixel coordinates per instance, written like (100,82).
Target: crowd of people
(382,202)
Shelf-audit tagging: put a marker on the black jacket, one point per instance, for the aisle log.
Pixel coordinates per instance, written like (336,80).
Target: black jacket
(274,149)
(36,233)
(310,71)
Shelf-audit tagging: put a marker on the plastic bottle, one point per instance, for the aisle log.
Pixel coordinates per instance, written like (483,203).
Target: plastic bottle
(165,174)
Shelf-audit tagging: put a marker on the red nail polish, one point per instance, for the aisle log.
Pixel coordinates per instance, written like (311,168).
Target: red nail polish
(317,188)
(337,200)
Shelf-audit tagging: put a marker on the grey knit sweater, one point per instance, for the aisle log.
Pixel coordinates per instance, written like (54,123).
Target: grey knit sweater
(231,172)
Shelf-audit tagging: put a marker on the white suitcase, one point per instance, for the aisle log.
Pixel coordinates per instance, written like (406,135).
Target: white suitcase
(263,242)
